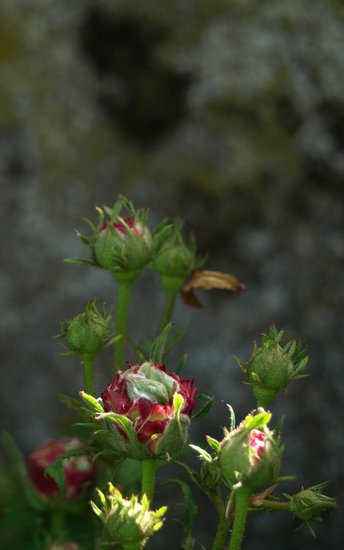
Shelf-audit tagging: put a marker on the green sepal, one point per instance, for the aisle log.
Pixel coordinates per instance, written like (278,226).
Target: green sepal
(92,403)
(213,443)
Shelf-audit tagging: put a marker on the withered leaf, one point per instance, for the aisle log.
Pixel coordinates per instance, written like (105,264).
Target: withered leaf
(209,280)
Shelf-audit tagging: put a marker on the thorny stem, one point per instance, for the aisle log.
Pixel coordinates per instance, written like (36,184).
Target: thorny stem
(270,505)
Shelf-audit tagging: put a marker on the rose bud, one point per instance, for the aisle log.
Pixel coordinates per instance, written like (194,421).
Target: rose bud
(157,404)
(271,366)
(128,522)
(251,454)
(174,260)
(123,245)
(89,332)
(79,470)
(309,504)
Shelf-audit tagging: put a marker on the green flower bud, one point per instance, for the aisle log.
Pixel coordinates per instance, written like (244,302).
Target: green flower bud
(89,332)
(128,522)
(122,245)
(310,503)
(250,454)
(174,259)
(271,366)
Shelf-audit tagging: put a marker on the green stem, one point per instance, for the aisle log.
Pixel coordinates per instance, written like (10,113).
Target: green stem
(221,534)
(271,505)
(170,300)
(88,364)
(57,523)
(240,512)
(125,285)
(148,478)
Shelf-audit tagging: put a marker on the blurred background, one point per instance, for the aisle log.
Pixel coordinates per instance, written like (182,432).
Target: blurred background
(229,114)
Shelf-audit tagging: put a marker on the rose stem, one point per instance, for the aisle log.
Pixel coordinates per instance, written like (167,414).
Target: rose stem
(57,523)
(241,507)
(148,478)
(172,286)
(221,533)
(170,299)
(88,364)
(125,284)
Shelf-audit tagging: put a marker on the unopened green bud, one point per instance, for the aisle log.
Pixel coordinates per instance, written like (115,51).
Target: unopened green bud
(89,332)
(174,259)
(271,366)
(310,503)
(128,522)
(250,454)
(122,245)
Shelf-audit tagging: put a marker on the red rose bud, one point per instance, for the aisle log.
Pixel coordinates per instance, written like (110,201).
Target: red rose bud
(271,366)
(89,332)
(158,405)
(79,470)
(129,522)
(174,260)
(250,454)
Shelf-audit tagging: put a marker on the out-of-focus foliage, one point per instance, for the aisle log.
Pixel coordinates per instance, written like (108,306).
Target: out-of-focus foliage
(229,93)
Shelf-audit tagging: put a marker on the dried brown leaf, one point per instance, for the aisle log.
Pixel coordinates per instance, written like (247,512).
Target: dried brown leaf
(208,280)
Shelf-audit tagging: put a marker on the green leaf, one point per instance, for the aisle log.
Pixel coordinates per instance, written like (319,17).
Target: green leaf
(203,454)
(232,420)
(57,472)
(205,409)
(70,402)
(258,421)
(77,261)
(181,364)
(157,350)
(190,511)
